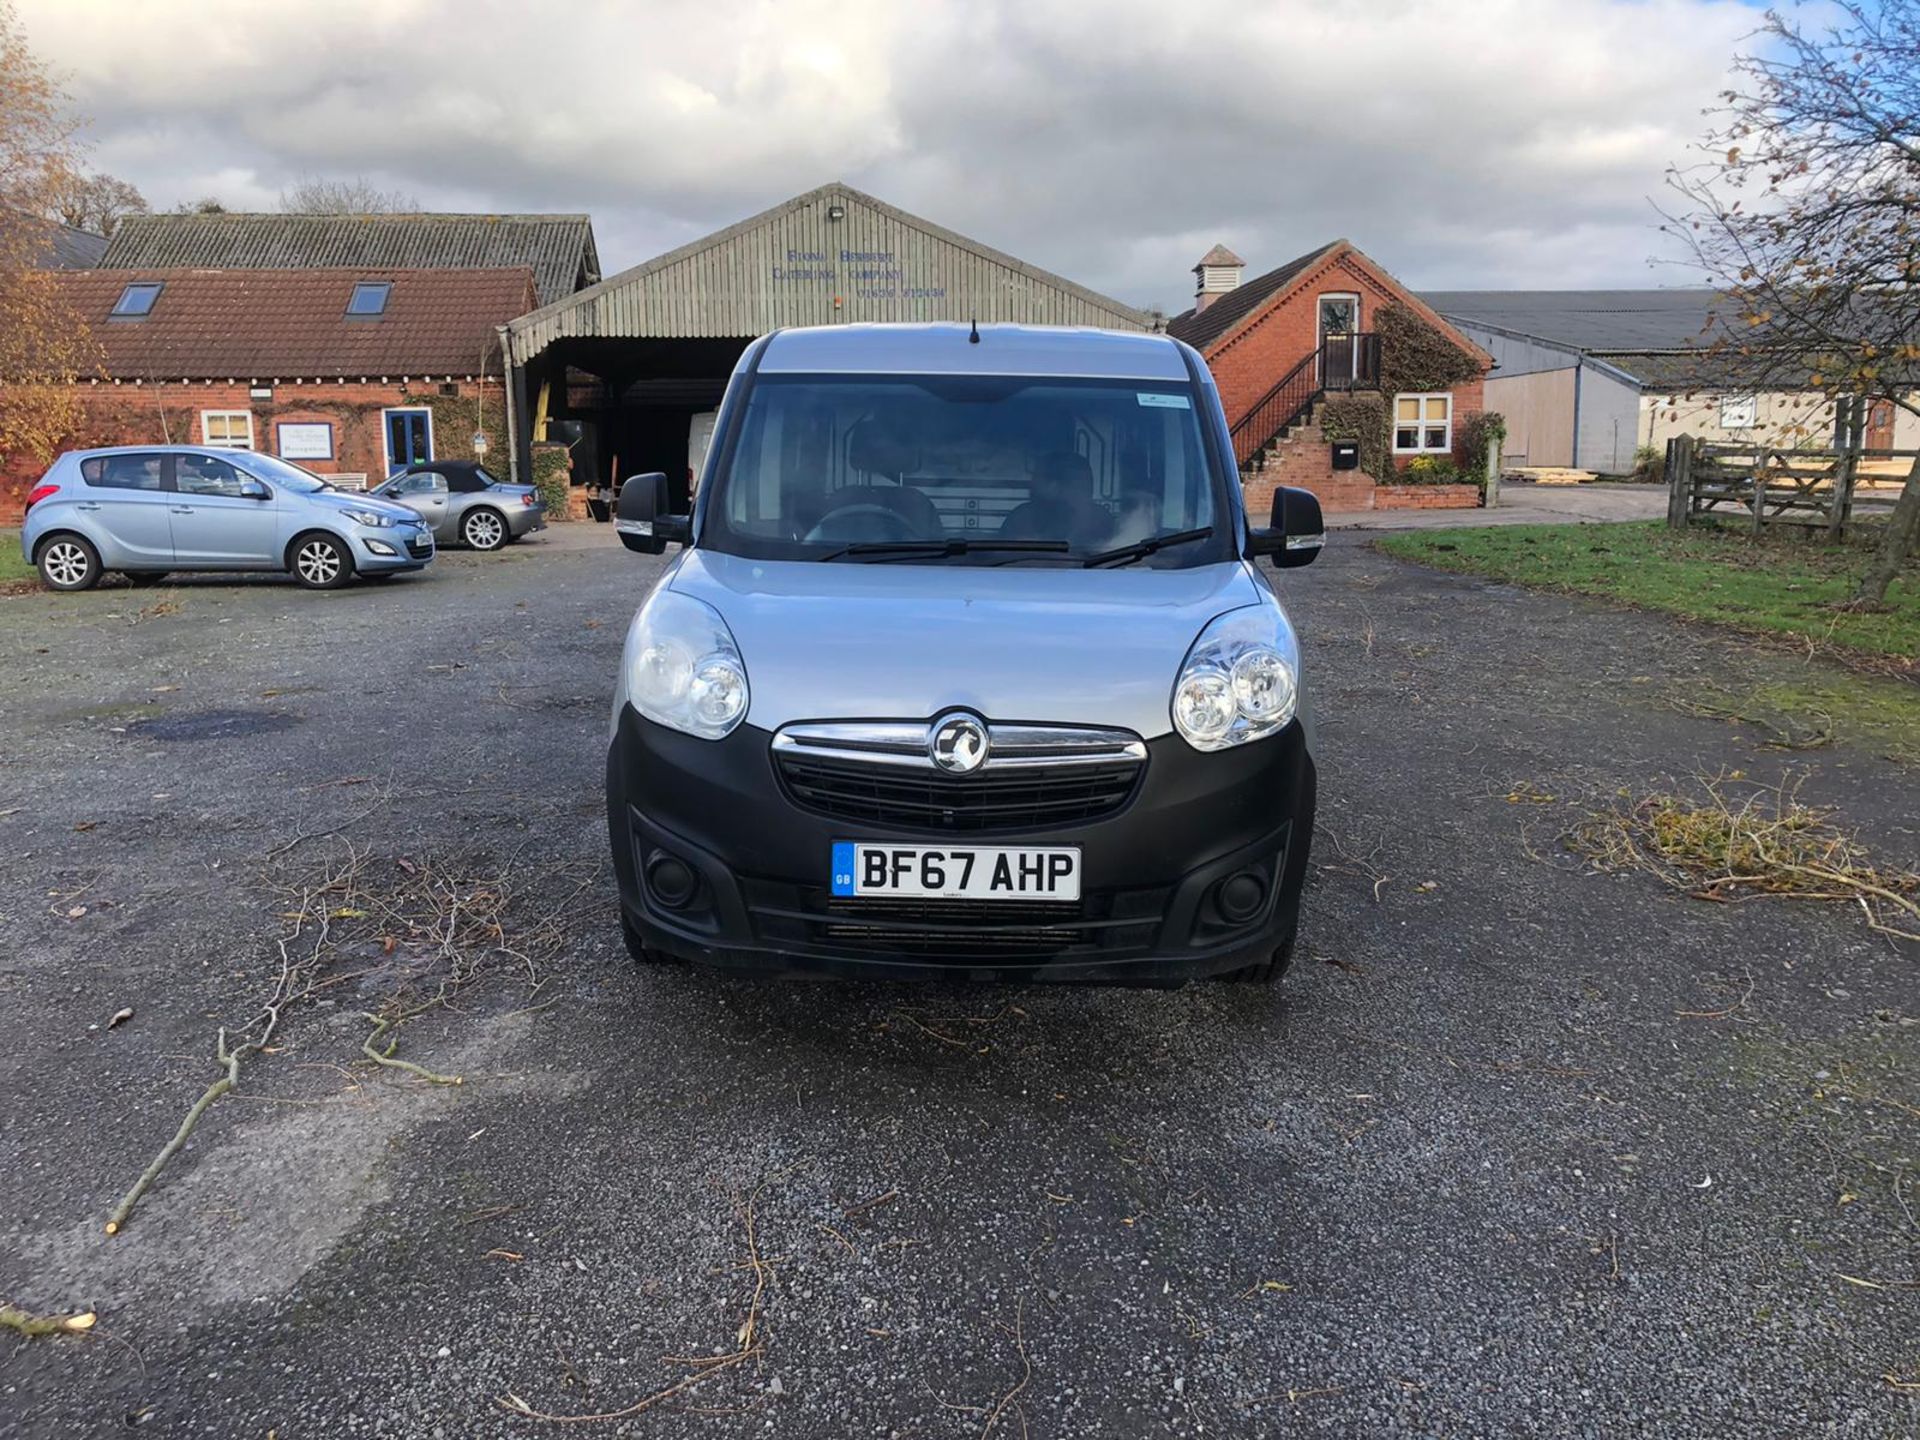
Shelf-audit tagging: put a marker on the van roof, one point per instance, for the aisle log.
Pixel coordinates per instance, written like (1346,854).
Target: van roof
(945,349)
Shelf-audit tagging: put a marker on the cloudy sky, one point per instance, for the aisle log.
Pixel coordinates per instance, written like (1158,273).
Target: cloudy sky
(1463,143)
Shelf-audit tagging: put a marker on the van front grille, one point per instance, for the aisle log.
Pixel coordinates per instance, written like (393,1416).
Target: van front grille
(1036,777)
(922,800)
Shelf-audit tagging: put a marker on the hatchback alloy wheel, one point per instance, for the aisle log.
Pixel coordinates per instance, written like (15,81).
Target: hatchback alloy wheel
(484,530)
(69,563)
(320,563)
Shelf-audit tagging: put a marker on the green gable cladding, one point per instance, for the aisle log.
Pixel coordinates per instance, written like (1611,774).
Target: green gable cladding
(831,256)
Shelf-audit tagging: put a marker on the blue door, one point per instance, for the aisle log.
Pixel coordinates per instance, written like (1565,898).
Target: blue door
(409,438)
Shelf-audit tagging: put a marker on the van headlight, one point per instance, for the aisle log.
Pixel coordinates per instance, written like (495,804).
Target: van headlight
(683,669)
(1240,681)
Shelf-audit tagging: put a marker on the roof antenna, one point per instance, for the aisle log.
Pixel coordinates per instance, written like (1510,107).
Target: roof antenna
(973,337)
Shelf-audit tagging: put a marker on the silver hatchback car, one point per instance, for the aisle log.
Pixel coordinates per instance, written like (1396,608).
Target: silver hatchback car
(149,510)
(969,665)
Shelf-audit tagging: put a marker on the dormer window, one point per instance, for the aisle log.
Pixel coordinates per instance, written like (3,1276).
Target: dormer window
(136,301)
(369,300)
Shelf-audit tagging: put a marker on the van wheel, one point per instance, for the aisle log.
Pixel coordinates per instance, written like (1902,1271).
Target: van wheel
(637,948)
(141,579)
(320,562)
(484,529)
(1264,972)
(68,562)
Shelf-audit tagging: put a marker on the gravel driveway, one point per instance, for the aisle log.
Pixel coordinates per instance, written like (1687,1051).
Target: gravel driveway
(1516,1150)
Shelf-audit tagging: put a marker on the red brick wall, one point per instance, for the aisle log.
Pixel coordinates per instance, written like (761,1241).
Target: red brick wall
(1250,364)
(150,414)
(1426,497)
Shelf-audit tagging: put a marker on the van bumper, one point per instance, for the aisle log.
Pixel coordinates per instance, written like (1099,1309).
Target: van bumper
(1149,871)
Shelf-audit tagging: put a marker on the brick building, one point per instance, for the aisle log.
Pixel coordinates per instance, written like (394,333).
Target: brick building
(1281,344)
(349,372)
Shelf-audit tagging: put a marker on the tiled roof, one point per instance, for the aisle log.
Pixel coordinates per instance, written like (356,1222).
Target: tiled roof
(558,248)
(62,246)
(264,324)
(1200,328)
(1596,321)
(1220,255)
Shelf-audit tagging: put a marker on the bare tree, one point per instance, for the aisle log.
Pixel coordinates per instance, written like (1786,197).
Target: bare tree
(205,205)
(315,195)
(44,344)
(1806,209)
(94,202)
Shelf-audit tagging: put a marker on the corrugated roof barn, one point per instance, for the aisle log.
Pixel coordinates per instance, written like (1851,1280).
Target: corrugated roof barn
(559,249)
(659,340)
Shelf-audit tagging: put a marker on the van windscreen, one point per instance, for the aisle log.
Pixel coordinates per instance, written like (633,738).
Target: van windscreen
(1057,469)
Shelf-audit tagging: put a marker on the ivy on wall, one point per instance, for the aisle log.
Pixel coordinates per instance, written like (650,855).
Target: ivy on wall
(1476,436)
(1414,356)
(455,420)
(1362,418)
(552,477)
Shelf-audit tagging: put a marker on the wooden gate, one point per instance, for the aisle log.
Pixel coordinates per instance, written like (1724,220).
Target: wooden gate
(1767,486)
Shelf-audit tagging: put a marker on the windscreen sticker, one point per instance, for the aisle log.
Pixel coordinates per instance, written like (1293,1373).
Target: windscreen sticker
(1159,401)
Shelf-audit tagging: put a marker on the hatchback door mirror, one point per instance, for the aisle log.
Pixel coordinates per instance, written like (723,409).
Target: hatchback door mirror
(1295,531)
(251,489)
(642,520)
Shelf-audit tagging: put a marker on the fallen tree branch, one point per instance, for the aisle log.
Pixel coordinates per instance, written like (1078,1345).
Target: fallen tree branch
(750,1338)
(230,1059)
(12,1317)
(514,1405)
(381,1024)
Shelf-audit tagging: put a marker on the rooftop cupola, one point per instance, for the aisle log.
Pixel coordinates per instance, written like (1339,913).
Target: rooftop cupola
(1217,273)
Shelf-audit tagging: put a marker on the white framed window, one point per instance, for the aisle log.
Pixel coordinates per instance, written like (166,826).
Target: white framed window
(231,429)
(1423,424)
(1738,412)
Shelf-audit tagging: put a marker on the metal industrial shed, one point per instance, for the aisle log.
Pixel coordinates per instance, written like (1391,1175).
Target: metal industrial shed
(625,369)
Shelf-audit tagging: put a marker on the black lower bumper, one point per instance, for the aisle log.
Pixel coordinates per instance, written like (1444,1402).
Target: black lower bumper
(761,900)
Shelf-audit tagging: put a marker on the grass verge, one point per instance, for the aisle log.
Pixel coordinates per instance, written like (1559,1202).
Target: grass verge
(1778,585)
(13,565)
(1806,713)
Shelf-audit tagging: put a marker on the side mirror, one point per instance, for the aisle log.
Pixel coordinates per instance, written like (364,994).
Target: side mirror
(1295,531)
(251,489)
(641,517)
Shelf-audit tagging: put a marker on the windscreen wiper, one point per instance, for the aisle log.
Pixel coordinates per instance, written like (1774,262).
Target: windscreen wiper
(915,549)
(1127,554)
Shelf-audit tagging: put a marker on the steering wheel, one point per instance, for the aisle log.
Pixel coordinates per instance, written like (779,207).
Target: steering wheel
(873,522)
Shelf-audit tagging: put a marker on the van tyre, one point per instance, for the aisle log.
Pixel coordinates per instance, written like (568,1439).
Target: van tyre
(321,562)
(637,948)
(485,529)
(1264,972)
(69,562)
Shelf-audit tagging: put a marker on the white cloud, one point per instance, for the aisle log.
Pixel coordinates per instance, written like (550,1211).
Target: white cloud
(1502,142)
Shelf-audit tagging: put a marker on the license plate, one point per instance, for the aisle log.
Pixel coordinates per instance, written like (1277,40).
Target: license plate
(956,872)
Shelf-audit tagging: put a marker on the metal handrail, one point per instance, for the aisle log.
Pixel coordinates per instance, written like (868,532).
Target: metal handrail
(1357,355)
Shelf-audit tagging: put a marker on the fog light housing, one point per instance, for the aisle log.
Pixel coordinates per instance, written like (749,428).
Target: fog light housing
(1241,897)
(671,880)
(379,547)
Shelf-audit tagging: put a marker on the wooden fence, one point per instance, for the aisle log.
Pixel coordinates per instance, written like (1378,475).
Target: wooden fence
(1766,485)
